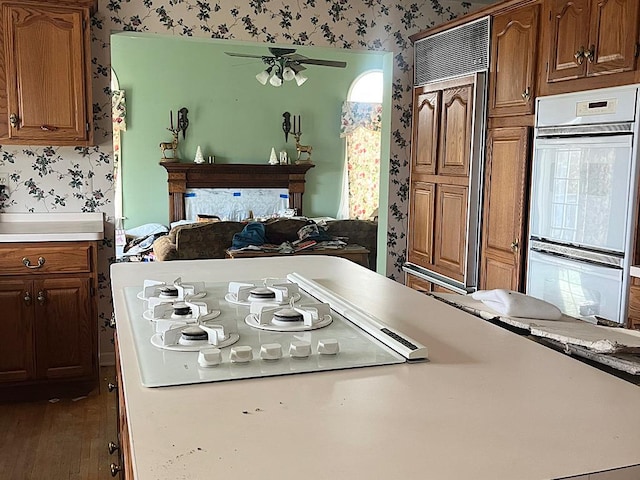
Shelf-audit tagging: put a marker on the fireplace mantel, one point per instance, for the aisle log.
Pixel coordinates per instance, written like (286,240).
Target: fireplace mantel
(232,175)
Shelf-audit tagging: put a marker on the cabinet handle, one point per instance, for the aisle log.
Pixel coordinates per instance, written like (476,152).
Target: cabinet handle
(48,128)
(13,120)
(515,245)
(27,298)
(526,95)
(27,263)
(579,56)
(41,297)
(112,322)
(591,53)
(113,448)
(111,386)
(115,469)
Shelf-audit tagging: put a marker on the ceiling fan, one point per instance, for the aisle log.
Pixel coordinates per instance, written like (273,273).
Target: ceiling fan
(286,64)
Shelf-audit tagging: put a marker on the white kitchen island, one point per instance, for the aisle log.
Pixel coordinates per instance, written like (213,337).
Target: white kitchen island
(489,404)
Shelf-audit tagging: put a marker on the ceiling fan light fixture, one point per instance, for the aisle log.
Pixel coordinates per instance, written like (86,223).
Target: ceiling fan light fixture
(288,74)
(263,76)
(276,81)
(300,78)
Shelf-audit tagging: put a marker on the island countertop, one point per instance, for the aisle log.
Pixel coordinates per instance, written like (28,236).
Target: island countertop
(51,227)
(489,404)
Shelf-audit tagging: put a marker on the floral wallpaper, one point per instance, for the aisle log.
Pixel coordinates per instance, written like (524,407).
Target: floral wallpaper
(56,179)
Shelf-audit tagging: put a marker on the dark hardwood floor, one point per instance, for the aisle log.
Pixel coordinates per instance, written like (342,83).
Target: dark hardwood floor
(66,439)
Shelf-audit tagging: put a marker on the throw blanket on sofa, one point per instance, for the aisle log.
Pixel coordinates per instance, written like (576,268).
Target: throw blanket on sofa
(252,234)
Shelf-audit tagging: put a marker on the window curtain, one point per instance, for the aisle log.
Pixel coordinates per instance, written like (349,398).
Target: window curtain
(118,117)
(361,125)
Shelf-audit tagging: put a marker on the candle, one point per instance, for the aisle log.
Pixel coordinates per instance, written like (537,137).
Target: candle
(294,125)
(171,114)
(299,123)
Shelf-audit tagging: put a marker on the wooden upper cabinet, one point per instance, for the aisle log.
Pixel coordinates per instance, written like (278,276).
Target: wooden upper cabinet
(613,36)
(455,131)
(426,114)
(47,73)
(591,37)
(514,56)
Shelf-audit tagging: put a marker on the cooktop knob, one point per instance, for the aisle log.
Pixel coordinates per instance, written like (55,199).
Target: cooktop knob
(209,357)
(299,349)
(271,351)
(328,346)
(241,354)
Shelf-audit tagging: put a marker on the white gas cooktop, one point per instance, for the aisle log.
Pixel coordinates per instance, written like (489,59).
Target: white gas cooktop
(210,332)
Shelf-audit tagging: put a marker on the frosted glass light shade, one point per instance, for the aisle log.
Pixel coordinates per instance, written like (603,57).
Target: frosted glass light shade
(275,81)
(300,78)
(288,74)
(262,77)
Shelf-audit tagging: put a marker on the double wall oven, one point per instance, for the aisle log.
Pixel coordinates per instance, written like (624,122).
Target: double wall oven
(583,201)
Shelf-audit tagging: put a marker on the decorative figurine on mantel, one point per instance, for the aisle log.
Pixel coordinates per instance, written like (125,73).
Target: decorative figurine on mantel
(300,149)
(199,158)
(183,123)
(172,146)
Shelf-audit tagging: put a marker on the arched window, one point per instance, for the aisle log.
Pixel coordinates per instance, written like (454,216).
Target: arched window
(360,125)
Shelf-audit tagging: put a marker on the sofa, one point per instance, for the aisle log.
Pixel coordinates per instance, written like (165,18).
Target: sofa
(212,239)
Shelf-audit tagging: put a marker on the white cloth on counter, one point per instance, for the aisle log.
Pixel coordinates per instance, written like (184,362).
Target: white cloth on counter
(515,304)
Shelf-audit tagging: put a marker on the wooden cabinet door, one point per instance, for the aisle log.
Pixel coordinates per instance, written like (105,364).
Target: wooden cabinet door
(455,131)
(421,221)
(612,36)
(449,247)
(512,74)
(64,332)
(16,325)
(426,115)
(504,211)
(569,32)
(46,73)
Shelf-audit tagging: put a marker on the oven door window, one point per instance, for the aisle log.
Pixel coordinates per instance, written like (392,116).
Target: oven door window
(580,191)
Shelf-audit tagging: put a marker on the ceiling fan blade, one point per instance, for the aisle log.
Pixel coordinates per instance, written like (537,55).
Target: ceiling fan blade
(232,54)
(324,63)
(280,52)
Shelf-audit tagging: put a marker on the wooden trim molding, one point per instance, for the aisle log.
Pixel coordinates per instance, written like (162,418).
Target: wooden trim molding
(182,176)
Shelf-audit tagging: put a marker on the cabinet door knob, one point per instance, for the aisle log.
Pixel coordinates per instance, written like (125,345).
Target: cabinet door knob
(579,56)
(514,245)
(112,322)
(111,386)
(27,263)
(115,469)
(591,53)
(27,298)
(113,447)
(41,297)
(13,120)
(526,95)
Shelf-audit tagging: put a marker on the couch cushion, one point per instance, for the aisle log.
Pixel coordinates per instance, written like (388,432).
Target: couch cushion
(360,232)
(205,240)
(279,230)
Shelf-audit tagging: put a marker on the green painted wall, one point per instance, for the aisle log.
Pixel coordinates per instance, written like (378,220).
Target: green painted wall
(231,115)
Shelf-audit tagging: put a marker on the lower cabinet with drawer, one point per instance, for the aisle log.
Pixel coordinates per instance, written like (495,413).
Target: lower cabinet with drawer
(49,327)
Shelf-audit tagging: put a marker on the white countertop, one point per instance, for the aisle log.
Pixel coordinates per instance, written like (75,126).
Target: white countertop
(489,404)
(635,271)
(51,227)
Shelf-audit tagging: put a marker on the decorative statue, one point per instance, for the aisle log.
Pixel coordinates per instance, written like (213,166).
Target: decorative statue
(302,149)
(173,146)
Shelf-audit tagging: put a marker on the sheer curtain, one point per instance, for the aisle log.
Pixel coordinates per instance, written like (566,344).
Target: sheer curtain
(360,125)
